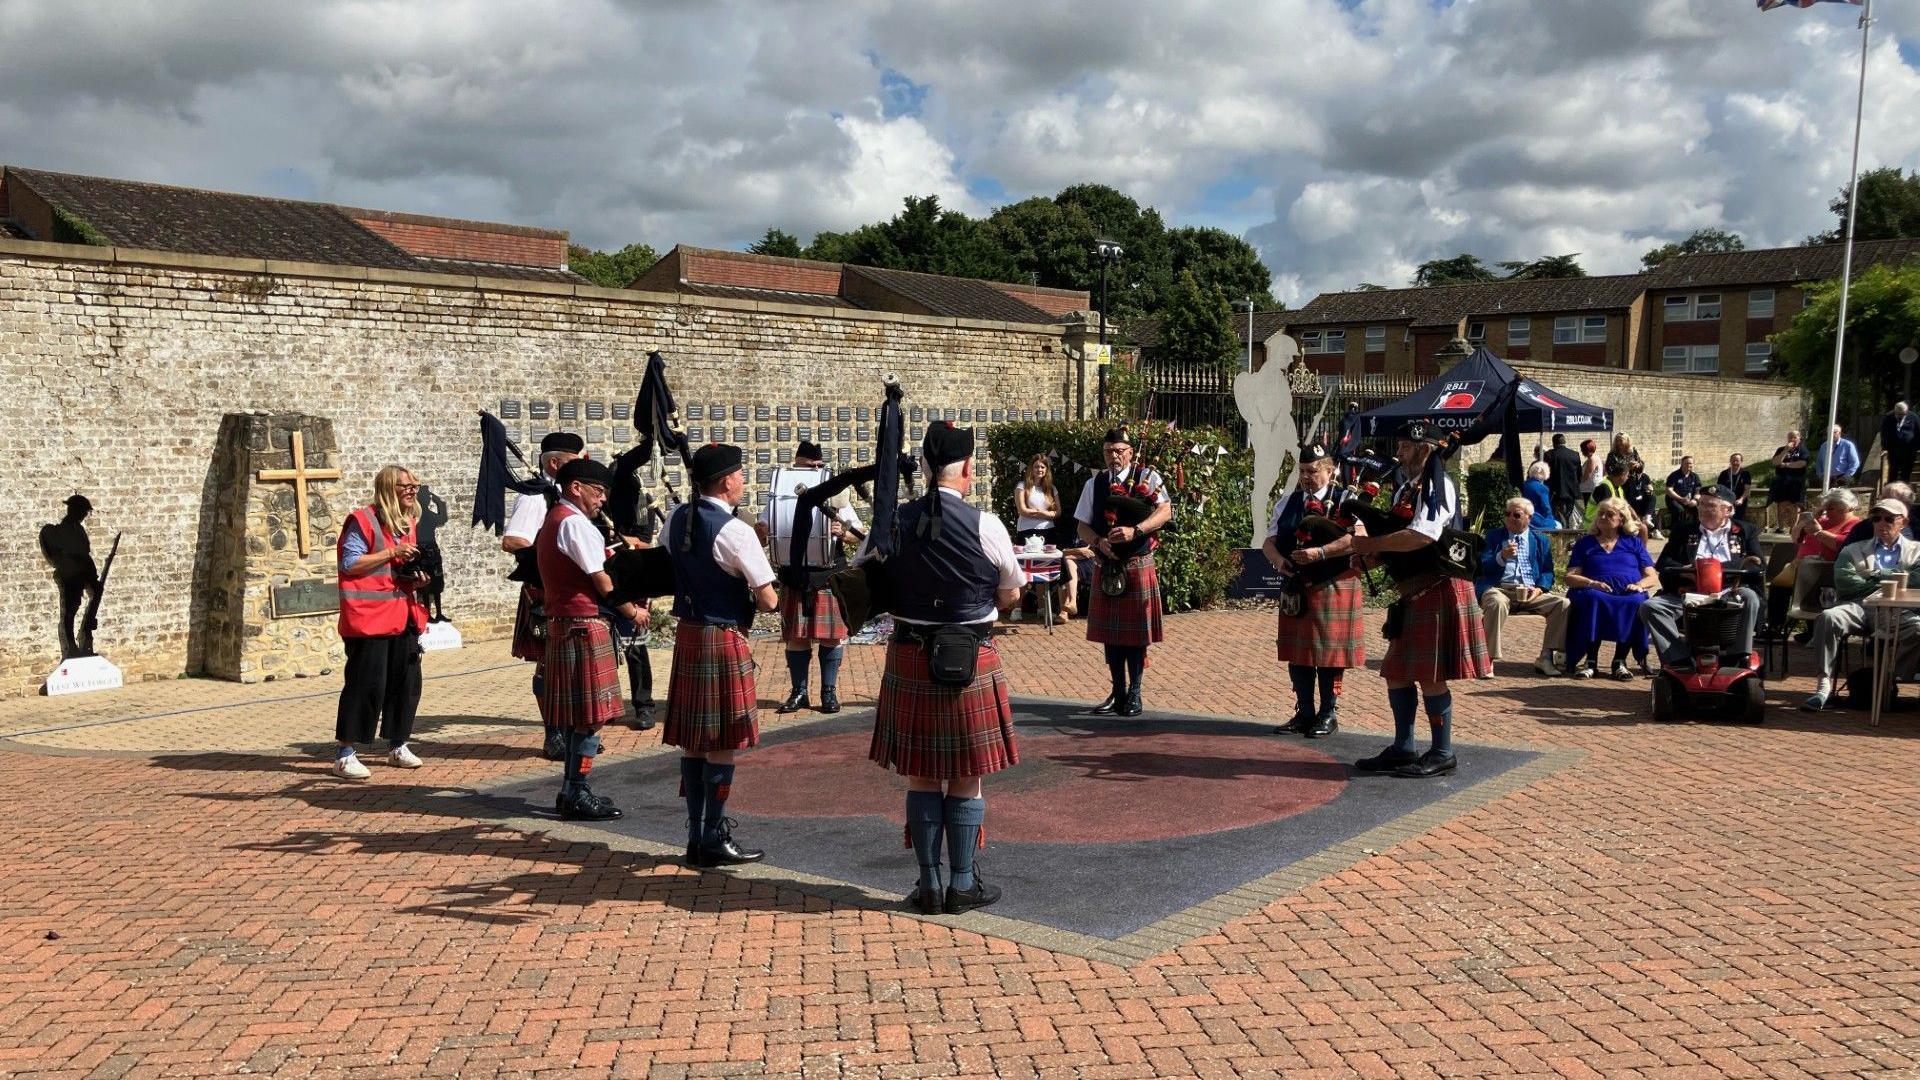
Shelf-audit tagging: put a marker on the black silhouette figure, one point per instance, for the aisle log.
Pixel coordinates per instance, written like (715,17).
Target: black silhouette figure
(433,514)
(67,547)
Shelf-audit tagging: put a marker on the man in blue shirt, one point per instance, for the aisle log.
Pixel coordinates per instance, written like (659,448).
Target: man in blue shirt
(1846,459)
(1516,575)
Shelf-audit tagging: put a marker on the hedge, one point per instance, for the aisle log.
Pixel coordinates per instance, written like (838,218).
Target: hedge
(1210,476)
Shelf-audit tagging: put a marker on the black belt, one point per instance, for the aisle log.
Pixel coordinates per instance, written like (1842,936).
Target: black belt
(917,635)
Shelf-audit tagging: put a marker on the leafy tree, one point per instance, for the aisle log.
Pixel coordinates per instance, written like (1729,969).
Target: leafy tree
(1049,244)
(776,242)
(1196,326)
(1221,262)
(1889,208)
(1368,286)
(1462,269)
(1547,266)
(832,247)
(1702,242)
(922,236)
(1883,317)
(611,269)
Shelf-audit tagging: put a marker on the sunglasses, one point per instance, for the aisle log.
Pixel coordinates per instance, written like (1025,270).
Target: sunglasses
(406,487)
(1878,519)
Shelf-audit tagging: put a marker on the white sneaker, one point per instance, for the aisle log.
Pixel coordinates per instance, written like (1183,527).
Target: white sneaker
(349,768)
(402,757)
(1547,667)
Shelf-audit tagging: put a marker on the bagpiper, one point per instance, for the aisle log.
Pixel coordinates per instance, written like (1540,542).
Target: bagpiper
(557,448)
(1321,632)
(810,614)
(1120,510)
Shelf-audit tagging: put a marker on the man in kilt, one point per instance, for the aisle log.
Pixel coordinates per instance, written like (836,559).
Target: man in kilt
(1440,637)
(721,578)
(1321,630)
(583,677)
(530,619)
(944,719)
(1127,619)
(810,616)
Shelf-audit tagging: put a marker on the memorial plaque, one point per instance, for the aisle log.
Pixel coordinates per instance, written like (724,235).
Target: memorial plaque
(596,434)
(696,412)
(596,410)
(916,413)
(866,454)
(536,432)
(806,412)
(673,477)
(763,476)
(843,413)
(739,412)
(509,410)
(569,410)
(783,413)
(762,434)
(622,411)
(1026,414)
(716,411)
(999,415)
(863,413)
(309,596)
(805,433)
(1059,414)
(846,455)
(739,433)
(763,457)
(696,433)
(539,410)
(919,432)
(966,415)
(763,412)
(846,434)
(622,435)
(952,414)
(784,433)
(865,434)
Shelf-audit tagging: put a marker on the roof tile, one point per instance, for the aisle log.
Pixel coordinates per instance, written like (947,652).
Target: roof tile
(954,297)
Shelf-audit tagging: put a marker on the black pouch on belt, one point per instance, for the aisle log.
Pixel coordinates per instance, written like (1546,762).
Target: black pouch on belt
(1396,623)
(953,654)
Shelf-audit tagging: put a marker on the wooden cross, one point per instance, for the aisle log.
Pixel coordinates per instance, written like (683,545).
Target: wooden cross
(299,474)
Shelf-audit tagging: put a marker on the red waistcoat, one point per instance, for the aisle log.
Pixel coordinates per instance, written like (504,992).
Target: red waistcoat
(374,604)
(565,588)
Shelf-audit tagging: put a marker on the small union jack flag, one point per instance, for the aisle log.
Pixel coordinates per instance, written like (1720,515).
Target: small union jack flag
(1769,5)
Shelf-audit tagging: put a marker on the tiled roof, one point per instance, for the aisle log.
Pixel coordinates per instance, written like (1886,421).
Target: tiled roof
(1783,266)
(772,296)
(159,217)
(510,271)
(1441,305)
(955,297)
(1145,330)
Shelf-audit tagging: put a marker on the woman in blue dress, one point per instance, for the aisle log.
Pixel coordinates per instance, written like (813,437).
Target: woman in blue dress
(1609,575)
(1535,489)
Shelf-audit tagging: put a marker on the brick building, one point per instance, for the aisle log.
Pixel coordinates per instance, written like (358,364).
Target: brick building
(1693,315)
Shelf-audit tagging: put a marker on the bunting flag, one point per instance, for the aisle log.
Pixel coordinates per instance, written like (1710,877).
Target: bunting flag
(1769,5)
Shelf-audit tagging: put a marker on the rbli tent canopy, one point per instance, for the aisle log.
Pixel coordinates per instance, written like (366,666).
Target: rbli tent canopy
(1481,396)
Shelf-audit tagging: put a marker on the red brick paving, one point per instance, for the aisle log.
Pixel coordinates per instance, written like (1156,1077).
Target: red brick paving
(1688,901)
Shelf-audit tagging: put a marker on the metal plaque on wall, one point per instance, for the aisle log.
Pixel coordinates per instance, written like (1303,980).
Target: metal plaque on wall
(310,596)
(763,457)
(783,413)
(783,433)
(739,412)
(509,410)
(696,433)
(622,411)
(569,410)
(696,412)
(762,434)
(740,433)
(806,412)
(843,413)
(596,433)
(763,412)
(539,410)
(596,410)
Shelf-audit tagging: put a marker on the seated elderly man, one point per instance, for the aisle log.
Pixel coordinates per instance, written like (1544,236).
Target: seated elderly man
(1897,491)
(1857,573)
(1716,535)
(1516,575)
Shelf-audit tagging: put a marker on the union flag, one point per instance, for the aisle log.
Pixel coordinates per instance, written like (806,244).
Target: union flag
(1769,5)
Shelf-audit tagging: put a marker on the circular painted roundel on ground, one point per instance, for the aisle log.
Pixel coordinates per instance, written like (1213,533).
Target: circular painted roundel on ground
(1108,786)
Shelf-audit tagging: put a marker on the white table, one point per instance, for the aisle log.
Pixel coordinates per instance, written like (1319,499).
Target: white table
(1042,567)
(1884,612)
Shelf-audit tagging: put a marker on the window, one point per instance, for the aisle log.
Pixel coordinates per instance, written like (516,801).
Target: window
(1336,341)
(1566,329)
(1476,331)
(1695,307)
(1593,329)
(1310,341)
(1759,304)
(1691,359)
(1758,354)
(1376,339)
(1519,330)
(1706,305)
(1679,308)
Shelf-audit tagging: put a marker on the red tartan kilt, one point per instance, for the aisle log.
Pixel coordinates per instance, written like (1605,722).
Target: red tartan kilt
(583,678)
(1443,639)
(1331,631)
(819,620)
(942,732)
(712,703)
(526,646)
(1133,617)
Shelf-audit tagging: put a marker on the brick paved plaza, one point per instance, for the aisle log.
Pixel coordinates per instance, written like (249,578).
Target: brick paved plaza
(188,892)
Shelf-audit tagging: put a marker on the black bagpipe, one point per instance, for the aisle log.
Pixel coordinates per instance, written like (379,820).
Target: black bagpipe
(1455,554)
(1126,509)
(862,588)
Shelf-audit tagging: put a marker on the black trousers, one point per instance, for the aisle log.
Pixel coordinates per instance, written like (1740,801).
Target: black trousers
(1900,464)
(382,688)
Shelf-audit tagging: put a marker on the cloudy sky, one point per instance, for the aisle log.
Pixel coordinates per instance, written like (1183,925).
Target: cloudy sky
(1348,139)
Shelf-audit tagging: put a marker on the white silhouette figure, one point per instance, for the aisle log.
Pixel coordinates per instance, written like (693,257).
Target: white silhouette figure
(1265,400)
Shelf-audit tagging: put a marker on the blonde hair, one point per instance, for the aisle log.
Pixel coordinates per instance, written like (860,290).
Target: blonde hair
(1629,521)
(386,501)
(1045,483)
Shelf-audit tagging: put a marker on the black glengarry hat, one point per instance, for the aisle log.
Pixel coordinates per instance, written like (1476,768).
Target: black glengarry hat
(1422,432)
(809,450)
(713,461)
(587,470)
(946,444)
(1313,452)
(564,441)
(1116,435)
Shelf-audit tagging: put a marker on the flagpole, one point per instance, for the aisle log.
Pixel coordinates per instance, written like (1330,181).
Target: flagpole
(1846,257)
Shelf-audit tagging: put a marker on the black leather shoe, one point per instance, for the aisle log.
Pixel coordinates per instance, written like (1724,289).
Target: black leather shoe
(1301,723)
(586,806)
(829,701)
(725,852)
(1386,761)
(555,749)
(1131,706)
(925,901)
(1431,763)
(1324,724)
(1110,705)
(643,717)
(980,895)
(794,703)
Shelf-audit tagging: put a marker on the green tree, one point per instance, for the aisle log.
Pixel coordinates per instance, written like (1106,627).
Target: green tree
(1462,269)
(1702,242)
(1049,244)
(1196,326)
(1368,286)
(923,236)
(777,242)
(1546,266)
(611,269)
(1221,262)
(1889,208)
(1883,317)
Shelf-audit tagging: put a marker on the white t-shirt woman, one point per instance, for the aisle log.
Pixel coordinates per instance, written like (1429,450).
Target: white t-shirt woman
(1027,499)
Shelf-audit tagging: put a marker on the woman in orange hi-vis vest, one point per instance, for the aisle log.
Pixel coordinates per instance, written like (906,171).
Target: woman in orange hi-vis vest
(380,622)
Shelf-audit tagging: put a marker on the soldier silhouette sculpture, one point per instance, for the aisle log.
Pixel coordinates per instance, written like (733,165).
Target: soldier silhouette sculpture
(70,551)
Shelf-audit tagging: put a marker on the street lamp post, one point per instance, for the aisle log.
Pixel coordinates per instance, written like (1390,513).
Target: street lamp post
(1108,252)
(1249,302)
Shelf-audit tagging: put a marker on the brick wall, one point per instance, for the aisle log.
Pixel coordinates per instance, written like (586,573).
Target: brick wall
(1051,301)
(762,272)
(116,367)
(441,238)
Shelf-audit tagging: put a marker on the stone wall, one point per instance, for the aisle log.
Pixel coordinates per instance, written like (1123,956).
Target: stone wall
(117,366)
